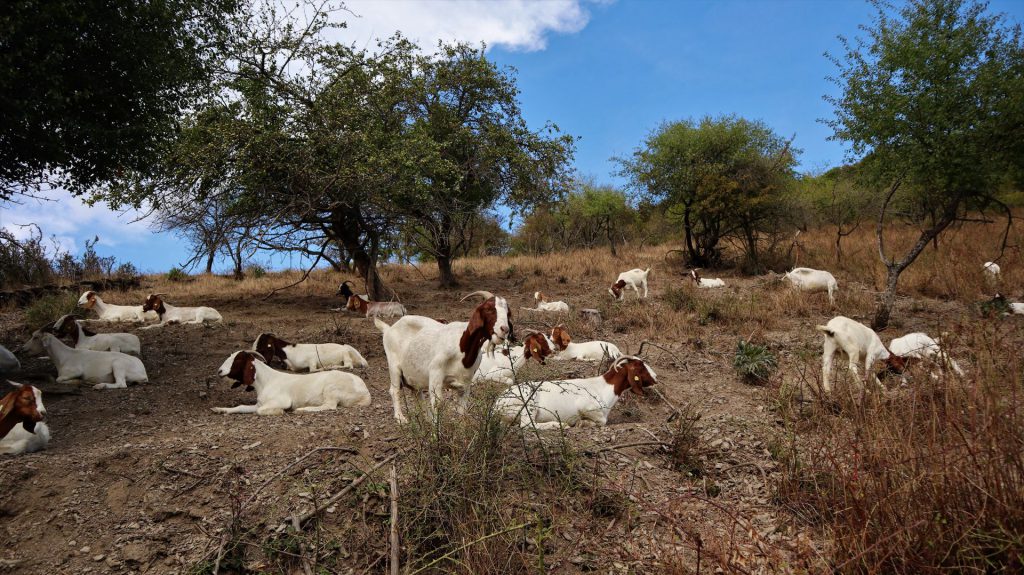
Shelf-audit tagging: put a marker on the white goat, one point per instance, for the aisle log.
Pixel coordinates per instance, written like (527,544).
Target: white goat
(991,270)
(917,346)
(22,429)
(307,356)
(634,279)
(8,361)
(99,367)
(855,341)
(501,367)
(1015,308)
(170,314)
(809,280)
(277,392)
(544,305)
(586,401)
(585,351)
(111,312)
(704,282)
(375,308)
(82,338)
(427,356)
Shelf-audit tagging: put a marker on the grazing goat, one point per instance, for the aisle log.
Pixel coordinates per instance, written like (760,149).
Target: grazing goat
(911,348)
(307,356)
(705,283)
(170,314)
(808,280)
(99,367)
(82,338)
(1015,308)
(375,308)
(586,351)
(544,305)
(991,270)
(346,292)
(633,279)
(855,341)
(111,312)
(8,361)
(586,401)
(428,356)
(501,367)
(24,405)
(277,392)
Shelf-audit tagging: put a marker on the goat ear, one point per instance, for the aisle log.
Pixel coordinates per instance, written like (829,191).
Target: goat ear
(635,380)
(249,374)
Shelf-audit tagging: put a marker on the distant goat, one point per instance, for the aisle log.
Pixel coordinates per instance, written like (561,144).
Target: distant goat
(585,351)
(705,283)
(634,279)
(991,270)
(544,305)
(111,312)
(82,338)
(346,292)
(170,314)
(307,356)
(501,366)
(913,347)
(375,308)
(810,280)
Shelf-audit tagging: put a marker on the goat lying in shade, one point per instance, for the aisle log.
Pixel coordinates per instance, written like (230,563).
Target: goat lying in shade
(544,305)
(107,369)
(502,366)
(277,392)
(111,312)
(586,401)
(586,351)
(375,308)
(82,338)
(23,406)
(705,282)
(307,356)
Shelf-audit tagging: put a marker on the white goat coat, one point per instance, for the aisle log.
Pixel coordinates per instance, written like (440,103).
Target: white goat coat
(112,312)
(588,351)
(278,391)
(557,404)
(320,356)
(122,342)
(107,369)
(8,361)
(635,279)
(920,346)
(811,280)
(855,341)
(18,440)
(187,315)
(991,270)
(711,283)
(499,367)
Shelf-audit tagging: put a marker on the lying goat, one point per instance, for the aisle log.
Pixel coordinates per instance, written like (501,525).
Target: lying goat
(501,366)
(307,356)
(22,406)
(586,401)
(170,314)
(586,351)
(82,338)
(544,305)
(111,312)
(704,282)
(107,369)
(912,348)
(277,392)
(375,308)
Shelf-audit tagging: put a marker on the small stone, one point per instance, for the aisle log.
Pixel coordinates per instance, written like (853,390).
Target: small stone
(85,549)
(133,525)
(99,557)
(202,394)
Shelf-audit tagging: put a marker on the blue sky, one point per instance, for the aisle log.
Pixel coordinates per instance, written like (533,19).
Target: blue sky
(608,72)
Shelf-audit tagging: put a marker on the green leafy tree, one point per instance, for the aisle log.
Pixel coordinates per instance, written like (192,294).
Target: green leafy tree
(931,106)
(719,176)
(89,88)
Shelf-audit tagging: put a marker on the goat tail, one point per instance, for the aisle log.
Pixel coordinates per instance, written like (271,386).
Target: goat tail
(826,330)
(381,325)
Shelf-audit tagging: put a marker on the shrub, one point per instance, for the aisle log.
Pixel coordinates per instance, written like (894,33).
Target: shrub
(176,275)
(678,299)
(47,309)
(127,271)
(256,271)
(754,363)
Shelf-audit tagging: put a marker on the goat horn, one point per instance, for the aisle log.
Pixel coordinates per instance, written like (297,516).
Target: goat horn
(487,295)
(347,282)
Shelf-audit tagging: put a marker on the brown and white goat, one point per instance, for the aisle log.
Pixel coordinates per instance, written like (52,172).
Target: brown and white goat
(501,367)
(375,308)
(171,314)
(585,351)
(634,279)
(83,338)
(307,356)
(22,429)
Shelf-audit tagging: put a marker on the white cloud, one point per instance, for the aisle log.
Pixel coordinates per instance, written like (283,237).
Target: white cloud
(513,24)
(70,222)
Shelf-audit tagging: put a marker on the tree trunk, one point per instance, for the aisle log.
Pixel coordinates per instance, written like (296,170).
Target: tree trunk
(444,270)
(209,261)
(888,301)
(347,234)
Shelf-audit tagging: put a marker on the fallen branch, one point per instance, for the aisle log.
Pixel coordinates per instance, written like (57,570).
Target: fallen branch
(394,521)
(293,464)
(470,544)
(302,519)
(625,445)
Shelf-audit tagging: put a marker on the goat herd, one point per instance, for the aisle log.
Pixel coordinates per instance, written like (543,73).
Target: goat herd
(424,354)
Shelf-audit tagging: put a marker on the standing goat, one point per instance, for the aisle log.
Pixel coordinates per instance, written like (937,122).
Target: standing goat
(23,406)
(809,280)
(307,356)
(375,308)
(111,312)
(82,338)
(170,314)
(427,356)
(99,367)
(277,392)
(705,283)
(586,351)
(586,401)
(634,279)
(855,341)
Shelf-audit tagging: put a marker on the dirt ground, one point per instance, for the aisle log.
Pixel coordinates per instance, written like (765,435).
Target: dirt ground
(139,480)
